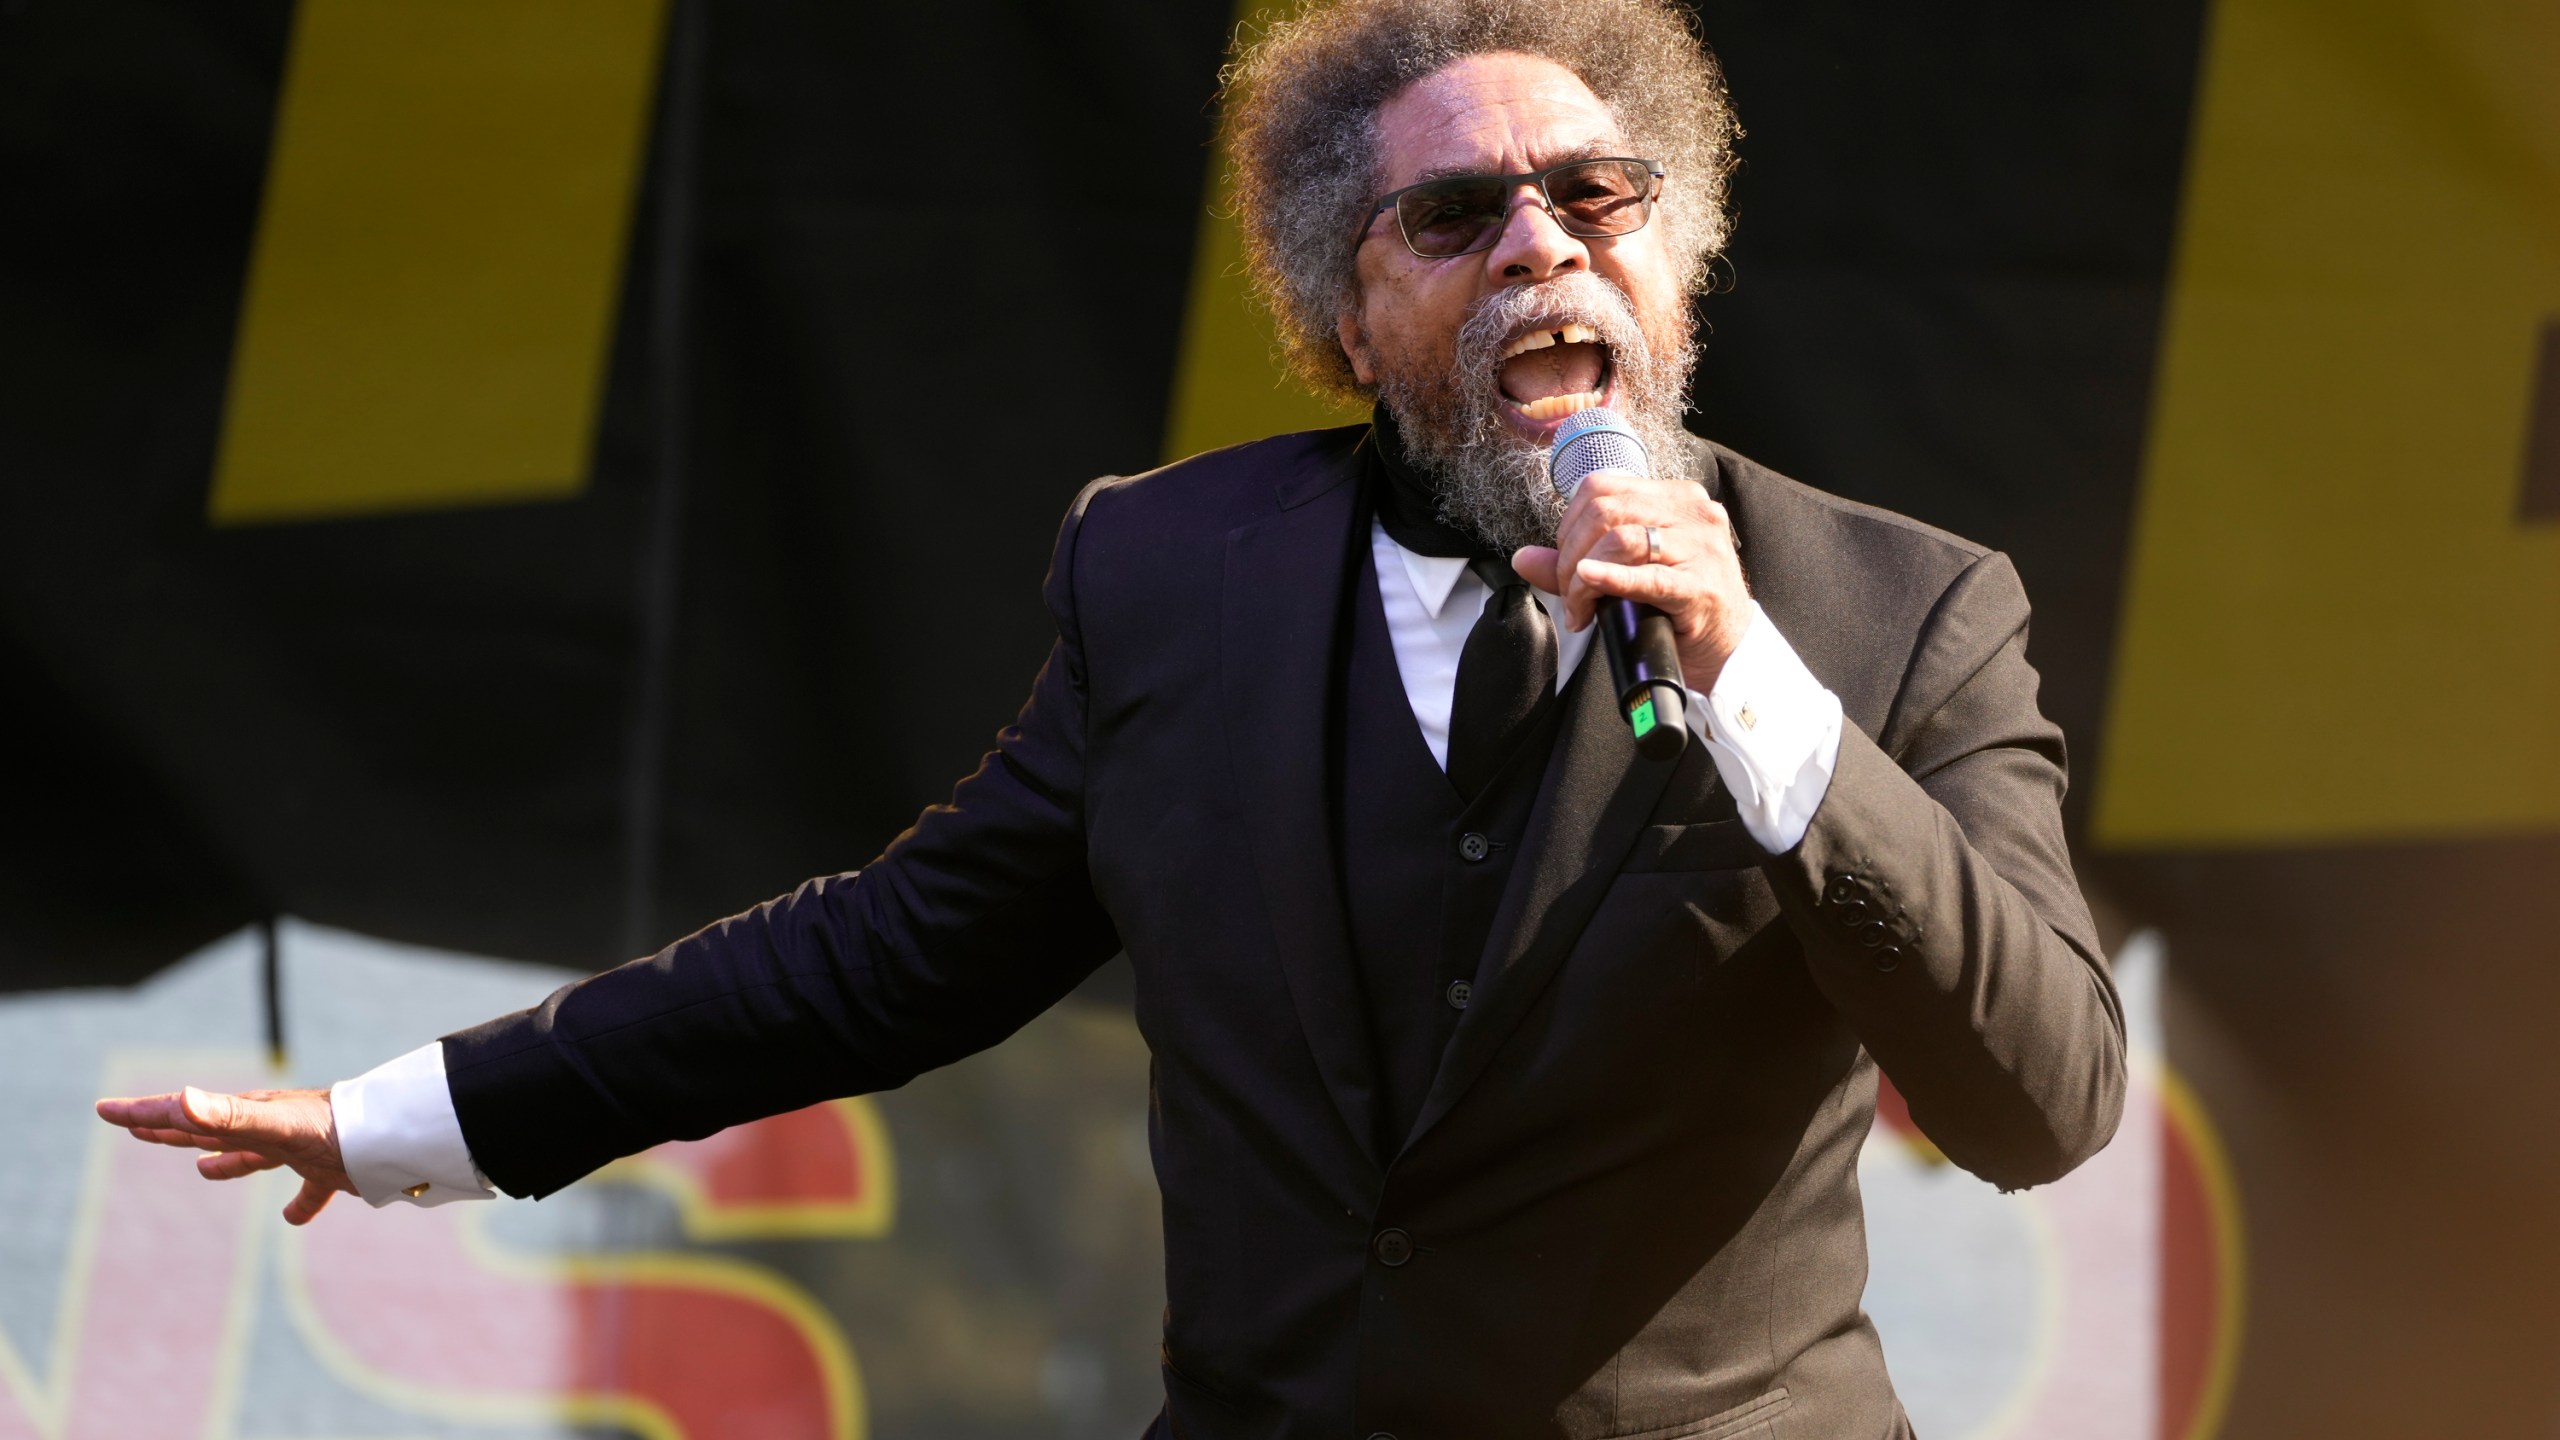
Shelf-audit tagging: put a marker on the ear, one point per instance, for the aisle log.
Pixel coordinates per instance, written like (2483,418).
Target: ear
(1355,345)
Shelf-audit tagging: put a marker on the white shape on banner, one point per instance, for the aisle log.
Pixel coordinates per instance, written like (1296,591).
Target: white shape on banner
(2036,1313)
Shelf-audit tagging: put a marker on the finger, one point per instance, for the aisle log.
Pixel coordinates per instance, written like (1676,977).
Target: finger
(183,1139)
(1613,482)
(262,1120)
(1630,545)
(307,1202)
(1588,530)
(232,1164)
(1584,527)
(145,1112)
(1537,565)
(1661,586)
(1620,547)
(212,1112)
(1723,519)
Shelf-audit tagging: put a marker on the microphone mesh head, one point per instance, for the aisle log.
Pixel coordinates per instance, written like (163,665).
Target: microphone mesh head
(1590,441)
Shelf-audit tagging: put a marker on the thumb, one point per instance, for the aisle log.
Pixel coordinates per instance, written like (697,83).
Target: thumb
(212,1113)
(1537,565)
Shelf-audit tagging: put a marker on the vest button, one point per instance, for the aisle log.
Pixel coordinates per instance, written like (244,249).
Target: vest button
(1392,1247)
(1460,992)
(1473,847)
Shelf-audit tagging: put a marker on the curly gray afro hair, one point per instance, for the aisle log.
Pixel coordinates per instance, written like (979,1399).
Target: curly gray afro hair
(1300,132)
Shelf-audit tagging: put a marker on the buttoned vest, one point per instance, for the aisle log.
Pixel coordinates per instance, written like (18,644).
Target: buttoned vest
(1422,870)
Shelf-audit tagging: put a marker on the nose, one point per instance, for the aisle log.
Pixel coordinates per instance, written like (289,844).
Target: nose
(1533,246)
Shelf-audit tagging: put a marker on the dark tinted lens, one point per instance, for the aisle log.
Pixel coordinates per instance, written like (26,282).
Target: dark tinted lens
(1450,217)
(1602,197)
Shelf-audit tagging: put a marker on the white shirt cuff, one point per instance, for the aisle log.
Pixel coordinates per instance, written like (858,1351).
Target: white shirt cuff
(398,1135)
(1774,733)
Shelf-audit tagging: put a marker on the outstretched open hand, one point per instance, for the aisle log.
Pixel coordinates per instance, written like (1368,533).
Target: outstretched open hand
(250,1132)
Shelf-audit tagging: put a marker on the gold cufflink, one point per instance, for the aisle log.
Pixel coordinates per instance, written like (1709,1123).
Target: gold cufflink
(1746,719)
(414,1191)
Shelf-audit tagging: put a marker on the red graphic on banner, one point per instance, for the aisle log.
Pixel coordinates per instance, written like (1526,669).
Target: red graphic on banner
(421,1310)
(432,1316)
(2194,1270)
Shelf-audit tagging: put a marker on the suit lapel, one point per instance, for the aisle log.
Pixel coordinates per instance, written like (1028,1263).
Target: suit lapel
(1285,578)
(1591,805)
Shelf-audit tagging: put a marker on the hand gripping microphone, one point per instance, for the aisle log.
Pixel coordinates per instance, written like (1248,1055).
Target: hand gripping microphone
(1644,661)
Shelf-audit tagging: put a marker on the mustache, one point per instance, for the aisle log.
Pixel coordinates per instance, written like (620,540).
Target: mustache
(1578,298)
(1487,481)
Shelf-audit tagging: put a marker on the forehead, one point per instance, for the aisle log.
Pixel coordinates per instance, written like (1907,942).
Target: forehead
(1503,113)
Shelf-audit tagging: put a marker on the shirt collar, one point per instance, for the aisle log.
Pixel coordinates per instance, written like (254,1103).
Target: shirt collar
(1434,577)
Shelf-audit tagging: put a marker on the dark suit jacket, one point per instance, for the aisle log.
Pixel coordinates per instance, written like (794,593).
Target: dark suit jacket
(1629,1207)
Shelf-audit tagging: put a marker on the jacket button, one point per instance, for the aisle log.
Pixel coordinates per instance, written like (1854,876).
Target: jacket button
(1853,912)
(1888,957)
(1392,1247)
(1473,847)
(1872,934)
(1382,1435)
(1460,992)
(1844,888)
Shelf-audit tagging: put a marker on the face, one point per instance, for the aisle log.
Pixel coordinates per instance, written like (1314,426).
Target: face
(1482,356)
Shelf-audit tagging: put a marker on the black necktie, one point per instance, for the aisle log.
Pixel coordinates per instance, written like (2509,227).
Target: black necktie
(1506,676)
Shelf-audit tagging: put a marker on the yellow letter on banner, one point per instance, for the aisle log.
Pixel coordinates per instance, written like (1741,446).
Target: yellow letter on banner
(2336,627)
(438,257)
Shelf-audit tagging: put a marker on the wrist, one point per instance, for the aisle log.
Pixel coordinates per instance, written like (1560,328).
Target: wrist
(329,1138)
(1703,657)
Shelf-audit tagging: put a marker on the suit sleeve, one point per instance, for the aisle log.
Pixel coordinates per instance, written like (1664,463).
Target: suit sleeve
(970,924)
(1934,896)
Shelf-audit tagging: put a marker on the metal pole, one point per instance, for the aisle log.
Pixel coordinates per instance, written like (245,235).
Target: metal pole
(271,981)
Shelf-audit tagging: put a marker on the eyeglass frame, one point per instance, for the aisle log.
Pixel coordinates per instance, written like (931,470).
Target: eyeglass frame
(1509,183)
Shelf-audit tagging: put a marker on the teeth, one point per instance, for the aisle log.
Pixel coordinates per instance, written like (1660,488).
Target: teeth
(1541,339)
(1534,340)
(1556,407)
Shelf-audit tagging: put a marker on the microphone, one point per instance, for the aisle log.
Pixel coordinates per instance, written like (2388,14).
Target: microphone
(1644,662)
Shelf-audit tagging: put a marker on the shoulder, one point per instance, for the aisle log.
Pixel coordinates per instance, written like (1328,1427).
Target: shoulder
(1866,596)
(1217,490)
(1136,547)
(1825,530)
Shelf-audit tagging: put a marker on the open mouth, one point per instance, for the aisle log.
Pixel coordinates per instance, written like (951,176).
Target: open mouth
(1550,373)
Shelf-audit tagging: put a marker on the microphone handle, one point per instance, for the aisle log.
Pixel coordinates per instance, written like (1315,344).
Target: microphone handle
(1644,666)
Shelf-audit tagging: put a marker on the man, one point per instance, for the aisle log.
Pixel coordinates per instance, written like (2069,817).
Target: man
(1504,1083)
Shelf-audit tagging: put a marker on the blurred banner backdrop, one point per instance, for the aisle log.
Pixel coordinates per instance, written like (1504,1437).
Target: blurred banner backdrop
(488,487)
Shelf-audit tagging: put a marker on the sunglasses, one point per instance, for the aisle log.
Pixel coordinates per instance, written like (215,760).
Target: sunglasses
(1460,215)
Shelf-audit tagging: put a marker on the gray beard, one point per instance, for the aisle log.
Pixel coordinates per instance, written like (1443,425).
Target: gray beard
(1489,484)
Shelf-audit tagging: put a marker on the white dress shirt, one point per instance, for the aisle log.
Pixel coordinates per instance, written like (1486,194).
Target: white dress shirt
(1771,728)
